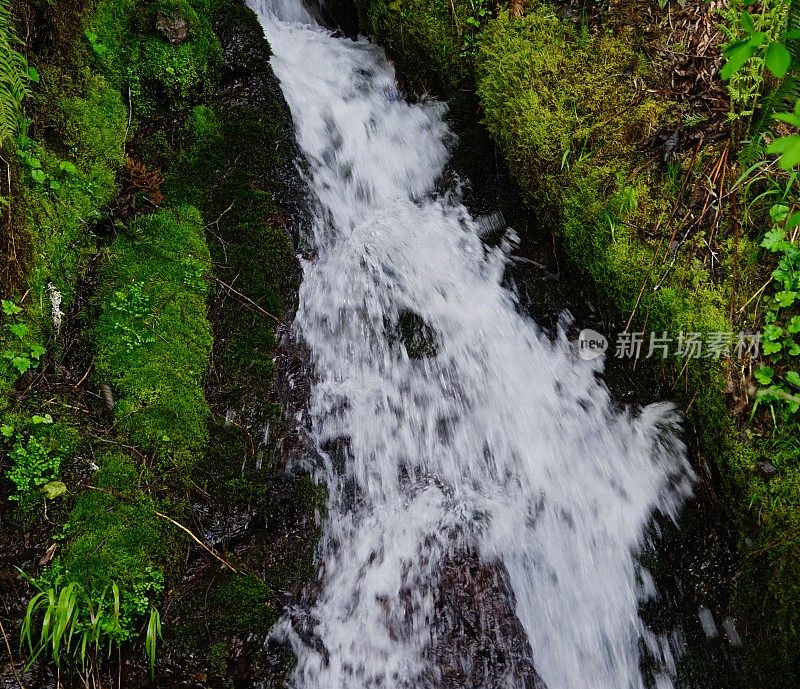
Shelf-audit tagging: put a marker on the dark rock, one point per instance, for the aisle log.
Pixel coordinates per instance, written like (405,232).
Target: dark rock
(766,470)
(416,335)
(172,28)
(480,642)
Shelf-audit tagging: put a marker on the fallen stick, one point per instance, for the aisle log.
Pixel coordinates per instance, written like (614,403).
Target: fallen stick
(198,541)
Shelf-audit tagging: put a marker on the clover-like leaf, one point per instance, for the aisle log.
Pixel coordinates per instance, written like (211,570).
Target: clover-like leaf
(19,330)
(786,298)
(764,375)
(21,363)
(10,308)
(775,240)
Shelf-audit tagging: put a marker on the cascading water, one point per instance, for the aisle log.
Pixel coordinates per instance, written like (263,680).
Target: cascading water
(498,440)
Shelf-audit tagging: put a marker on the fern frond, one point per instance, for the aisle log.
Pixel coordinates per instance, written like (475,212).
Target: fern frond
(13,76)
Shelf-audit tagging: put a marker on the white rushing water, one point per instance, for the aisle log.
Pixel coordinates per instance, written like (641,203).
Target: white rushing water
(503,440)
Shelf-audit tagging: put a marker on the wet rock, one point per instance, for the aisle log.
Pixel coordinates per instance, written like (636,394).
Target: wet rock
(417,336)
(480,642)
(246,78)
(172,28)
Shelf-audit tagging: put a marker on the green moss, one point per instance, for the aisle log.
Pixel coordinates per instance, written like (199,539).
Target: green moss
(69,178)
(93,127)
(153,337)
(422,39)
(112,533)
(225,169)
(241,605)
(123,38)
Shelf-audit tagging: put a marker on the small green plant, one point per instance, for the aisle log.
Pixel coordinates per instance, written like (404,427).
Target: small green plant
(23,356)
(780,342)
(27,154)
(479,13)
(65,620)
(35,462)
(133,311)
(98,48)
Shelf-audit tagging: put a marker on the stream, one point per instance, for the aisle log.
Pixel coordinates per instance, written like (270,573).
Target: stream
(488,440)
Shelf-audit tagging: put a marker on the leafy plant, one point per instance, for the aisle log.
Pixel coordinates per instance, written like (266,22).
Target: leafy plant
(33,164)
(777,57)
(15,75)
(780,342)
(133,311)
(65,620)
(23,356)
(479,13)
(35,463)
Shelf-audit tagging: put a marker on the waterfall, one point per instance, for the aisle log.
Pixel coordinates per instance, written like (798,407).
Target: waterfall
(495,438)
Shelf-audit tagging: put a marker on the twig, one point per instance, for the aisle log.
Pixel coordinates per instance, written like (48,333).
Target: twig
(130,115)
(767,284)
(246,298)
(11,657)
(85,376)
(198,541)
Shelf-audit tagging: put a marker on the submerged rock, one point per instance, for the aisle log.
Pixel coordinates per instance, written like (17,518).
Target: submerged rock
(480,642)
(416,335)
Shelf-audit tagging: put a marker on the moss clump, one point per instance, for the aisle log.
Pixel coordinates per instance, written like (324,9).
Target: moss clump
(69,178)
(186,68)
(424,41)
(123,37)
(153,337)
(241,605)
(112,533)
(228,164)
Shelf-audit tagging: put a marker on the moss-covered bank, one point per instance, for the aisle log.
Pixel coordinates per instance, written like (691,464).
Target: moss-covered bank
(152,194)
(635,173)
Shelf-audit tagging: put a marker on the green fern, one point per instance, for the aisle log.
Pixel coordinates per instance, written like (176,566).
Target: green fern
(780,99)
(14,76)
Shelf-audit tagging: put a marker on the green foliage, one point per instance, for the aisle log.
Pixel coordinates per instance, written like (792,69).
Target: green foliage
(66,620)
(134,322)
(15,76)
(776,58)
(112,541)
(781,335)
(423,39)
(752,38)
(21,353)
(478,14)
(36,459)
(153,337)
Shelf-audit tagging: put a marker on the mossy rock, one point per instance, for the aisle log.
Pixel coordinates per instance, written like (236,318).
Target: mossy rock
(153,338)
